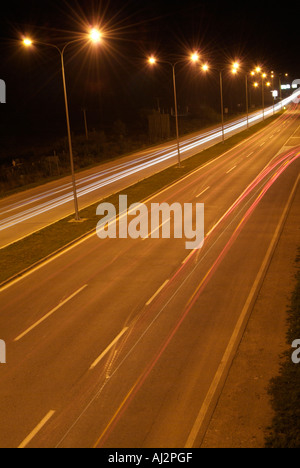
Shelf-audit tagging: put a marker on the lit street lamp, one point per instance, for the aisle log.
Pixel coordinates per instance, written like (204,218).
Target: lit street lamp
(280,85)
(94,36)
(247,75)
(263,77)
(247,98)
(235,67)
(193,58)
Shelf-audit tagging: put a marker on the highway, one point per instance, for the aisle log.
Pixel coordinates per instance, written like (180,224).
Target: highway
(126,342)
(27,212)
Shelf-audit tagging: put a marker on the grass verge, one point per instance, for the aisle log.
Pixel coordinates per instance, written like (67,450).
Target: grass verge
(285,389)
(26,253)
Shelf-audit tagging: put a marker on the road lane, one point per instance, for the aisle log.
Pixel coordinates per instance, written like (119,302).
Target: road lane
(53,362)
(61,304)
(36,430)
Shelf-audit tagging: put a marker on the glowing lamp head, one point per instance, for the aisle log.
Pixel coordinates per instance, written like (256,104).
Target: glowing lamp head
(195,57)
(205,67)
(258,69)
(255,85)
(236,66)
(27,42)
(95,35)
(152,60)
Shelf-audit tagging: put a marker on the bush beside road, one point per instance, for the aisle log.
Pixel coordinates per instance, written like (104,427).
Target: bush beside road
(285,389)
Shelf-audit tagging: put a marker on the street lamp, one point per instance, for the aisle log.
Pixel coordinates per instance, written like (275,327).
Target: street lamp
(235,69)
(235,66)
(153,61)
(273,91)
(27,42)
(195,57)
(280,85)
(247,75)
(258,70)
(263,77)
(95,37)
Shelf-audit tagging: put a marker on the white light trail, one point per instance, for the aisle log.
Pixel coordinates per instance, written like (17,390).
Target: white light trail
(91,183)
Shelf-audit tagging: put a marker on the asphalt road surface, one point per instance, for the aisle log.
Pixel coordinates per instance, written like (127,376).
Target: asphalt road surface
(27,212)
(126,343)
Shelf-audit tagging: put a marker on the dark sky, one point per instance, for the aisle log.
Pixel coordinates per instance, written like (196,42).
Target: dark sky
(112,80)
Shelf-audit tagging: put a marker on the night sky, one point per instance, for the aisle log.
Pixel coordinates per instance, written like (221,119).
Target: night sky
(112,80)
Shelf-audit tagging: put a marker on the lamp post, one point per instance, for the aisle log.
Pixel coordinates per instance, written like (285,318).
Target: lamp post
(235,67)
(268,85)
(263,77)
(85,124)
(273,91)
(247,75)
(222,105)
(247,99)
(280,85)
(194,58)
(94,36)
